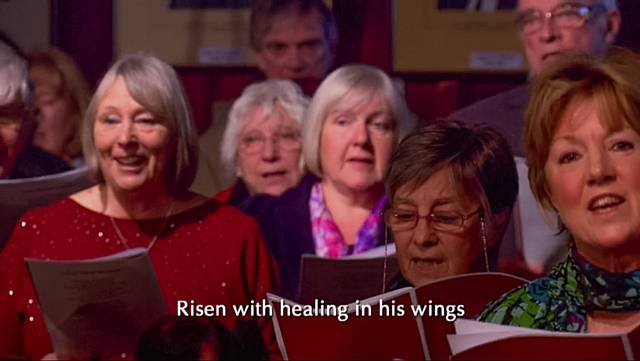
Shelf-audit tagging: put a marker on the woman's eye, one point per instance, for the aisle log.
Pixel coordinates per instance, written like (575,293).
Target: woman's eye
(288,135)
(568,157)
(382,125)
(622,146)
(110,119)
(445,218)
(342,120)
(147,120)
(404,216)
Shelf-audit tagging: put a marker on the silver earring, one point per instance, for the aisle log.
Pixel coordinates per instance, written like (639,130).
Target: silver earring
(384,266)
(483,230)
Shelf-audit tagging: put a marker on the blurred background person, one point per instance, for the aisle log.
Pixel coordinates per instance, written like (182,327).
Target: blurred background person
(21,159)
(140,143)
(451,191)
(291,39)
(261,144)
(354,121)
(175,338)
(583,149)
(62,96)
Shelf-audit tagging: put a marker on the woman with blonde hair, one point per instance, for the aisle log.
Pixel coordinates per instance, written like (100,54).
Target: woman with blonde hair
(353,123)
(140,144)
(62,95)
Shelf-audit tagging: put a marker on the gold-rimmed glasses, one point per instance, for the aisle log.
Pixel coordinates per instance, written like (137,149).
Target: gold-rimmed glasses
(446,221)
(567,15)
(254,142)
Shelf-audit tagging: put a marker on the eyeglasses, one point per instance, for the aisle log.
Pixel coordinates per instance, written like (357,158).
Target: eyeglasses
(401,220)
(568,16)
(254,142)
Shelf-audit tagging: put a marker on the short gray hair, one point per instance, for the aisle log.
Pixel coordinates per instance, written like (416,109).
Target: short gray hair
(259,95)
(14,77)
(350,83)
(155,86)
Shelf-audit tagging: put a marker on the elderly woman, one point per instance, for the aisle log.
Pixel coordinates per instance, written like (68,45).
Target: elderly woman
(62,95)
(353,123)
(583,150)
(140,142)
(261,144)
(18,157)
(451,190)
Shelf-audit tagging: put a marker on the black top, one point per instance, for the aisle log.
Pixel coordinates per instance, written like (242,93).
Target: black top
(35,162)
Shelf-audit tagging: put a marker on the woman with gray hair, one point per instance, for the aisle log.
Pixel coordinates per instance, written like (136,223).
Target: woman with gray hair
(261,144)
(18,157)
(140,143)
(355,120)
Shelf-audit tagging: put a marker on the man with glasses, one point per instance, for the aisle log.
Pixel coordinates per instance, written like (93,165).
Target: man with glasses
(546,28)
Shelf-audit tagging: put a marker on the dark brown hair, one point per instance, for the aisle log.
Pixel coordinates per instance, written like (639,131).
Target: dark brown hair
(479,158)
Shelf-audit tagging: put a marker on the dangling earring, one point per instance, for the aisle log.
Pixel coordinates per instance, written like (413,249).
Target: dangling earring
(384,266)
(238,172)
(483,230)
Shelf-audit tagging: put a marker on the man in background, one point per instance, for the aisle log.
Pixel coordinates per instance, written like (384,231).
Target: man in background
(546,29)
(291,39)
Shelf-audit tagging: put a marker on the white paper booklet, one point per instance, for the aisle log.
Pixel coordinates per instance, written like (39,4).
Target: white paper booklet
(535,228)
(17,196)
(97,308)
(481,340)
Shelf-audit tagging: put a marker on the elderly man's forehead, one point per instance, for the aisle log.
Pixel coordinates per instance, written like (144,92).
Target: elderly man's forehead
(549,4)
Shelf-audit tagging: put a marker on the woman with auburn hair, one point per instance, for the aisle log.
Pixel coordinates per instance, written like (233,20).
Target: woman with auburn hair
(140,143)
(582,137)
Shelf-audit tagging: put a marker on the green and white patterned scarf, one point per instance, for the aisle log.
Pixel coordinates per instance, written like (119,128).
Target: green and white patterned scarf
(561,300)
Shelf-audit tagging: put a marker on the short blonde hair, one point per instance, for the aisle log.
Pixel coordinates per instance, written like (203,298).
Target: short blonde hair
(70,83)
(155,86)
(262,95)
(612,83)
(352,83)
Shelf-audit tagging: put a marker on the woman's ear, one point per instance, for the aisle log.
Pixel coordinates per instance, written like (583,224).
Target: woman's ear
(613,26)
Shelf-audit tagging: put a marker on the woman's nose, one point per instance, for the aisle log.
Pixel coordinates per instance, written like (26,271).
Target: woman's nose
(270,150)
(127,133)
(423,233)
(361,133)
(601,170)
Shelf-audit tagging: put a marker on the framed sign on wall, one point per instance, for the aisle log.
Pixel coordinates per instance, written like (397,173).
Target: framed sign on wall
(456,36)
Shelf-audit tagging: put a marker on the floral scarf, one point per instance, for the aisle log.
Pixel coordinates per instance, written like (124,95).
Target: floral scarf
(327,237)
(561,300)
